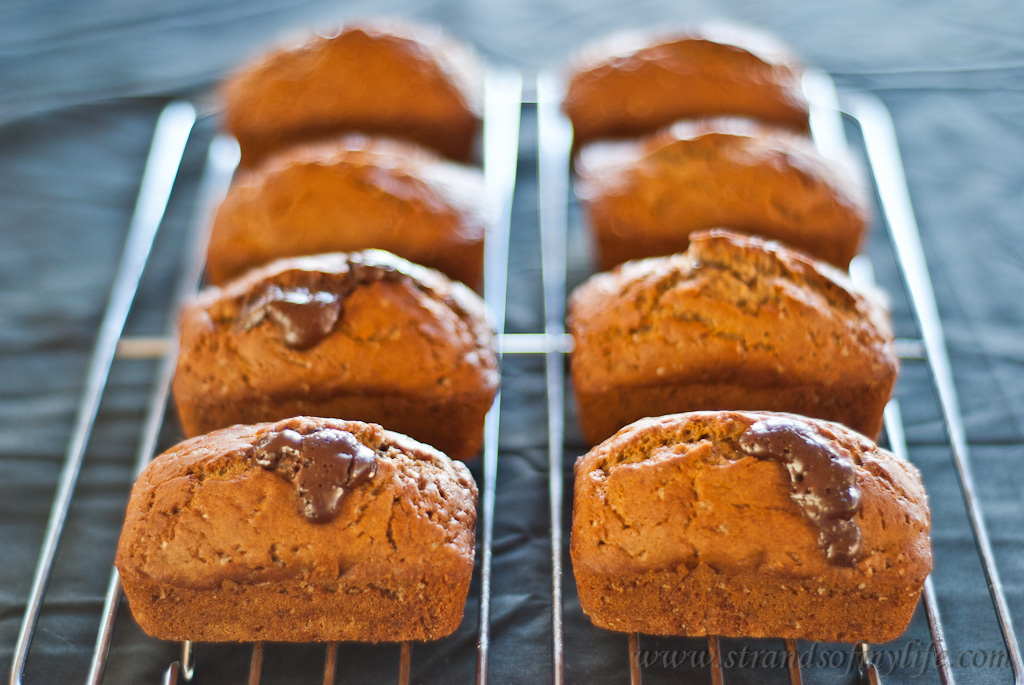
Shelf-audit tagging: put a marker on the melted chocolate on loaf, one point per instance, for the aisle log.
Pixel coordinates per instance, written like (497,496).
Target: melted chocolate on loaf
(323,466)
(304,316)
(308,311)
(823,481)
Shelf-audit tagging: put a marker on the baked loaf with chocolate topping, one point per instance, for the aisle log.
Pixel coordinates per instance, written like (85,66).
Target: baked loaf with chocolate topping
(735,322)
(635,83)
(748,524)
(365,336)
(353,193)
(383,77)
(305,530)
(644,198)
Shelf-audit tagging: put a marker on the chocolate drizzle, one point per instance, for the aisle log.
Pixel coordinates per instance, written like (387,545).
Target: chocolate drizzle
(823,481)
(323,466)
(308,311)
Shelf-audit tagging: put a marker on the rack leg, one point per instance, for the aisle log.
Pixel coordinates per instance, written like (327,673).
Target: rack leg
(867,671)
(715,654)
(793,660)
(256,664)
(405,664)
(635,677)
(185,666)
(171,674)
(188,661)
(330,663)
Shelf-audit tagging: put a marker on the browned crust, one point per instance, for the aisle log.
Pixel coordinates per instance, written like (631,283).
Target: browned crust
(423,338)
(352,194)
(733,314)
(635,83)
(380,77)
(215,548)
(677,532)
(644,198)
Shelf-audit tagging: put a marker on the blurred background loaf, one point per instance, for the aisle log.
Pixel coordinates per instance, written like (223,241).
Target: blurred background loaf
(633,83)
(380,77)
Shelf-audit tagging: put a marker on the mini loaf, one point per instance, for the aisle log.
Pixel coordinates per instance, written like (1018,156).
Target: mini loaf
(385,77)
(635,83)
(733,323)
(305,530)
(352,194)
(643,198)
(365,336)
(748,525)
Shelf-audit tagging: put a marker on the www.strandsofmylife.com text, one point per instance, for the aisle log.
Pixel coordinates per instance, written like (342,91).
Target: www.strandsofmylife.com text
(914,658)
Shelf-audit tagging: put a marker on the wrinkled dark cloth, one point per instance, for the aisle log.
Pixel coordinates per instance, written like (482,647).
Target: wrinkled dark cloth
(81,85)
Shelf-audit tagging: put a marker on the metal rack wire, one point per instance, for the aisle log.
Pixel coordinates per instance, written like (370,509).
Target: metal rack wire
(503,105)
(172,132)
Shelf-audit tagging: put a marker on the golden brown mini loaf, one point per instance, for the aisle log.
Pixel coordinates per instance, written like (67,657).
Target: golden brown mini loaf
(748,524)
(352,194)
(384,77)
(733,323)
(306,530)
(643,198)
(365,336)
(635,83)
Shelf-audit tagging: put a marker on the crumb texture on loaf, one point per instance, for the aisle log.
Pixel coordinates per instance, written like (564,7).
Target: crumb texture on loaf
(375,76)
(215,548)
(735,322)
(365,336)
(637,82)
(644,197)
(349,194)
(678,531)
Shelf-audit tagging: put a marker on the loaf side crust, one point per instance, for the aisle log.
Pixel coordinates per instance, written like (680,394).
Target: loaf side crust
(857,406)
(450,424)
(703,602)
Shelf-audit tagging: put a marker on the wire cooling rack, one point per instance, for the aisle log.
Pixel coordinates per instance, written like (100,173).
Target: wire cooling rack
(504,104)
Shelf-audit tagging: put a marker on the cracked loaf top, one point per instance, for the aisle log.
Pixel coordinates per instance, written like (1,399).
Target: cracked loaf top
(731,309)
(750,492)
(321,501)
(367,321)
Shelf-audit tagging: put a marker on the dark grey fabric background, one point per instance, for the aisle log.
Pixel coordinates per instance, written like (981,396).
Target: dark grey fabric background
(80,87)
